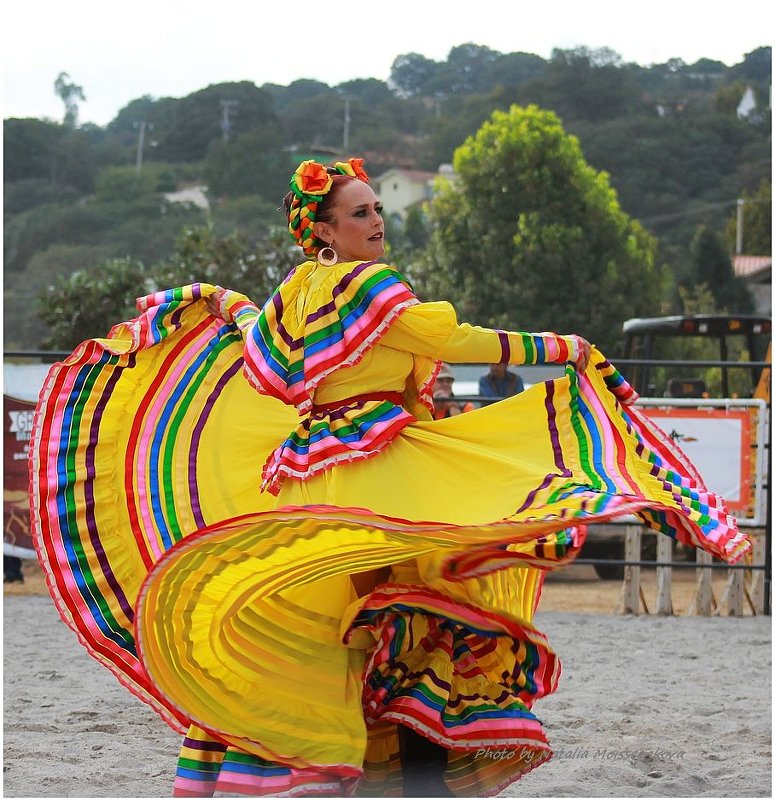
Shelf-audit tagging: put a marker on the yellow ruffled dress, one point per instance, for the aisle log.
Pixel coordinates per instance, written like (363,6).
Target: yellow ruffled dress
(232,611)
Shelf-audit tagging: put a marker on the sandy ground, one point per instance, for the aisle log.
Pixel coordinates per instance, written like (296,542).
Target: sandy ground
(647,706)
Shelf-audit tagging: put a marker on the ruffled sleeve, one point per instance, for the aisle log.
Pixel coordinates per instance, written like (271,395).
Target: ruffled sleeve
(289,353)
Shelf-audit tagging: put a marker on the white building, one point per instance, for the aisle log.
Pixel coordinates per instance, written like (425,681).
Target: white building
(747,104)
(195,195)
(399,190)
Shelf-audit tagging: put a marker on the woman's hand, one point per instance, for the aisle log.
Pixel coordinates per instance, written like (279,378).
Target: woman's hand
(582,359)
(214,305)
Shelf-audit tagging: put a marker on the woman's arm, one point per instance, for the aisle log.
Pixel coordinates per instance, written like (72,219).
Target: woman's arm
(431,329)
(468,342)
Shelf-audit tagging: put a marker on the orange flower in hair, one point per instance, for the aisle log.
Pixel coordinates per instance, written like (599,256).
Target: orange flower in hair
(311,179)
(353,168)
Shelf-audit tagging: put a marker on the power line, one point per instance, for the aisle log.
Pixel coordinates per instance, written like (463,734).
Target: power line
(679,214)
(692,212)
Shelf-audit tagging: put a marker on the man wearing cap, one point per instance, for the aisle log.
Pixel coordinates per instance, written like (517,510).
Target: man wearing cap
(443,397)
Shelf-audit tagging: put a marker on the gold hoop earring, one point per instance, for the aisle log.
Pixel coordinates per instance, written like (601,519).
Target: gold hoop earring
(327,256)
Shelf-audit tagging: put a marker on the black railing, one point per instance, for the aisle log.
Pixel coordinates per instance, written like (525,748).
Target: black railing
(653,563)
(688,363)
(42,355)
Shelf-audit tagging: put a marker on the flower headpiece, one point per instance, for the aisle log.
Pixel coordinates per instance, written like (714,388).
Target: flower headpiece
(310,184)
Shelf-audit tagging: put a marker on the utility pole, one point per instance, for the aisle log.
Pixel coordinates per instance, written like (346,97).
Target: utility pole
(739,232)
(346,136)
(143,126)
(228,107)
(439,97)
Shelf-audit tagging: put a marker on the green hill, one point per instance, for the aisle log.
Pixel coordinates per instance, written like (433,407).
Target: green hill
(668,135)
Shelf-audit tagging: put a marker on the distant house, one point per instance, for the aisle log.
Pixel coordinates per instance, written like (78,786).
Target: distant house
(400,190)
(756,271)
(747,104)
(195,195)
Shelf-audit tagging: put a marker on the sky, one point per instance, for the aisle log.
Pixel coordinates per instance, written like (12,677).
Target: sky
(169,48)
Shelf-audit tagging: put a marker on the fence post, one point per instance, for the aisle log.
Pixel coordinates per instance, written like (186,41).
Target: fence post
(732,597)
(757,577)
(631,591)
(703,602)
(664,603)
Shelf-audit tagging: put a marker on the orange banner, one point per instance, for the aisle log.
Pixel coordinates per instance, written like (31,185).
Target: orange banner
(721,443)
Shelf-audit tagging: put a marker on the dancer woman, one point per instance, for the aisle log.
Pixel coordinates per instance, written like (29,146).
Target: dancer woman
(321,636)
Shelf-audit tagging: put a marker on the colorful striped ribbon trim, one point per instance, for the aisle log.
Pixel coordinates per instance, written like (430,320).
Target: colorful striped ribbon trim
(290,364)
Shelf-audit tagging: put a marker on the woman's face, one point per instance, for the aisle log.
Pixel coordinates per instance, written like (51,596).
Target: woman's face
(357,232)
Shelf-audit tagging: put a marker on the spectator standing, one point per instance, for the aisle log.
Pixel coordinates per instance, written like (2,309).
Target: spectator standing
(444,398)
(500,383)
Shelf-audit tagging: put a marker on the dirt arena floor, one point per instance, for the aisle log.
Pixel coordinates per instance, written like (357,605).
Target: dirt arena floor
(647,706)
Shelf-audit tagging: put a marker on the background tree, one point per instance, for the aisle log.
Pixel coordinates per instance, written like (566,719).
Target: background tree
(406,239)
(466,69)
(62,157)
(755,67)
(327,111)
(461,116)
(160,113)
(126,214)
(757,222)
(296,92)
(372,93)
(126,217)
(252,163)
(531,237)
(411,73)
(230,261)
(28,145)
(249,216)
(70,94)
(382,124)
(86,304)
(192,124)
(587,84)
(712,266)
(728,96)
(510,69)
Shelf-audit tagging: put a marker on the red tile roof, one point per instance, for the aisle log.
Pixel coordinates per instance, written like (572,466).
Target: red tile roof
(752,266)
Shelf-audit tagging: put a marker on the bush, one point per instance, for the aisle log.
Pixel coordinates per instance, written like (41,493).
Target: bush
(86,304)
